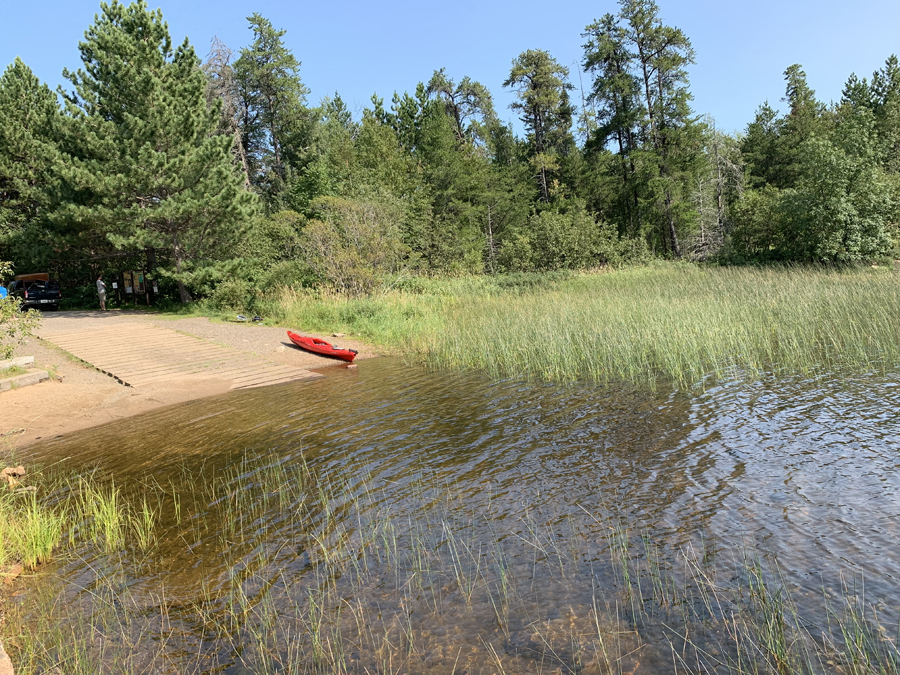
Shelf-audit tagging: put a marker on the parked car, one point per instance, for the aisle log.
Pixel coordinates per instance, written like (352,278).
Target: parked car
(34,290)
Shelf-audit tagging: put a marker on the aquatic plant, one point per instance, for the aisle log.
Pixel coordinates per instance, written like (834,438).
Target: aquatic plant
(318,572)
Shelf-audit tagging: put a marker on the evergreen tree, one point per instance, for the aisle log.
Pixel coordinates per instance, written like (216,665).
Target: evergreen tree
(762,150)
(407,116)
(663,54)
(616,95)
(332,166)
(276,123)
(542,87)
(803,121)
(28,137)
(642,95)
(885,92)
(857,93)
(468,104)
(147,161)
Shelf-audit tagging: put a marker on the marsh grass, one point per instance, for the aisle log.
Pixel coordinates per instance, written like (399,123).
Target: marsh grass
(327,571)
(680,324)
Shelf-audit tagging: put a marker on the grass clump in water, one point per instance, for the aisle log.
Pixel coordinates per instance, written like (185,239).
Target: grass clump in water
(61,509)
(29,533)
(315,572)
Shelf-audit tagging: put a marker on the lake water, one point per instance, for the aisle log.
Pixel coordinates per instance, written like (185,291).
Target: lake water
(388,519)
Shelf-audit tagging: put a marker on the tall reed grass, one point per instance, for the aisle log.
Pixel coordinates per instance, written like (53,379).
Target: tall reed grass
(682,324)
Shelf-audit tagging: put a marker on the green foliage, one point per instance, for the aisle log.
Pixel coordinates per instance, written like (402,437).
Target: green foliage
(15,324)
(567,239)
(270,255)
(31,118)
(158,174)
(843,208)
(276,124)
(353,244)
(641,94)
(772,144)
(758,232)
(542,88)
(157,161)
(332,158)
(468,105)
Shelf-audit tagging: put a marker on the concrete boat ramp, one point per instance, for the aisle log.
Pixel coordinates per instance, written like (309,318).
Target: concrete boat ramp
(139,353)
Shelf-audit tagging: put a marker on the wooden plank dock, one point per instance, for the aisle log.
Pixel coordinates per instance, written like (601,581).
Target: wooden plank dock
(139,354)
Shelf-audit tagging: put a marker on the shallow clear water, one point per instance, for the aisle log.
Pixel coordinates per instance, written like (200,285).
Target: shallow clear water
(537,480)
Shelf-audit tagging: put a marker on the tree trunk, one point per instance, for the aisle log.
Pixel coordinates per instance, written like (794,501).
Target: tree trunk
(178,254)
(720,198)
(490,233)
(183,293)
(676,247)
(242,154)
(650,111)
(542,180)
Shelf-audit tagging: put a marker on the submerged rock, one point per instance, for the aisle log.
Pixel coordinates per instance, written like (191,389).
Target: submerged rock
(6,667)
(13,572)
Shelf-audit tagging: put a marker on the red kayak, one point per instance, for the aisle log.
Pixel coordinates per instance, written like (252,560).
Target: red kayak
(317,346)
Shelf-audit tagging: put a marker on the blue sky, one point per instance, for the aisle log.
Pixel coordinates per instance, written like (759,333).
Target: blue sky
(357,48)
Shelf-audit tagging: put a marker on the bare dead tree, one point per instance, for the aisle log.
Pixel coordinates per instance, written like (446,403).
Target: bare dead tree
(221,87)
(718,184)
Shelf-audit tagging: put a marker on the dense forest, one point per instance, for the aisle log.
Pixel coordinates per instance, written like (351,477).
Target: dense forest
(224,179)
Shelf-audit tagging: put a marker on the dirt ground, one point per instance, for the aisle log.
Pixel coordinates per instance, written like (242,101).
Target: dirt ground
(78,396)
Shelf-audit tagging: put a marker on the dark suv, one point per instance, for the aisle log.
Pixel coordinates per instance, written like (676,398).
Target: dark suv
(42,294)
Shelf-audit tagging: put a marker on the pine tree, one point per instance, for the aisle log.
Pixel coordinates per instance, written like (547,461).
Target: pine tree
(276,123)
(28,135)
(663,54)
(468,104)
(221,89)
(616,95)
(803,121)
(332,166)
(542,87)
(762,150)
(146,158)
(641,91)
(885,91)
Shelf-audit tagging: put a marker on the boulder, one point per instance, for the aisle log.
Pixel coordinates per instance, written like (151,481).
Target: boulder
(11,473)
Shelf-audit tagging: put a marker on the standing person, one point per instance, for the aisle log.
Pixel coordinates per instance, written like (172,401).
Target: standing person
(101,291)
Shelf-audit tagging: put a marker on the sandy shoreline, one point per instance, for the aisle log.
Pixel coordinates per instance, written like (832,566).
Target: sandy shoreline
(78,396)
